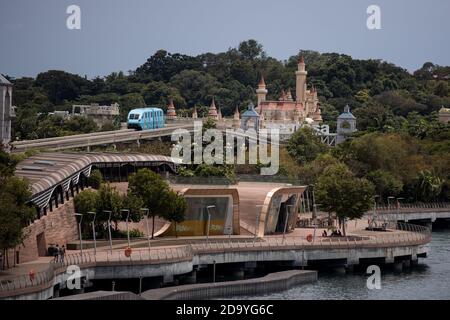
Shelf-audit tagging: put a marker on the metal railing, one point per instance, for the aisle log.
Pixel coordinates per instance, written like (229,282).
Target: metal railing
(409,234)
(413,207)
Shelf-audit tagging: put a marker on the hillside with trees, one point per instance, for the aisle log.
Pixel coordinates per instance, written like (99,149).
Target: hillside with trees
(381,94)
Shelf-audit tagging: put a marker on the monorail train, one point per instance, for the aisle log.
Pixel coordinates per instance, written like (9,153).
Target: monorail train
(145,118)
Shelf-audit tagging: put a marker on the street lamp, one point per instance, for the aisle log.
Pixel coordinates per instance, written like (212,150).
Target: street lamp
(315,224)
(108,212)
(286,221)
(389,203)
(209,221)
(374,214)
(398,205)
(79,230)
(126,221)
(258,213)
(93,230)
(146,213)
(313,201)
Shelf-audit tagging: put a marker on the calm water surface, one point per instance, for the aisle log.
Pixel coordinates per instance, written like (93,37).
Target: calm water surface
(429,280)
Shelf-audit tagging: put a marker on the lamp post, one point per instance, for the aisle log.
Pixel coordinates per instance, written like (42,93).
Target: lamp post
(108,212)
(307,200)
(374,214)
(258,213)
(389,203)
(209,221)
(93,230)
(126,221)
(146,213)
(315,224)
(314,215)
(286,221)
(398,205)
(79,230)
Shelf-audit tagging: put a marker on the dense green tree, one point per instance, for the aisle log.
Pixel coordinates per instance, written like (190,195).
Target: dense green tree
(153,191)
(176,211)
(195,86)
(86,201)
(15,213)
(304,145)
(339,191)
(386,184)
(427,186)
(60,85)
(95,179)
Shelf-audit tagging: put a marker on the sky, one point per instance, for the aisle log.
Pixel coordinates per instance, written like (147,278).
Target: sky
(120,35)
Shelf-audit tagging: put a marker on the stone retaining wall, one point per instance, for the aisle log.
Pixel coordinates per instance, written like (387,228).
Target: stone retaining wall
(273,282)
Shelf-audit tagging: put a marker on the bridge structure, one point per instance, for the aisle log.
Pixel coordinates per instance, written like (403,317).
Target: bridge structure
(111,138)
(425,212)
(89,140)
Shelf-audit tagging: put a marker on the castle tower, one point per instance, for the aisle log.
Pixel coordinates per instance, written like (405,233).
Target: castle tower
(5,111)
(212,112)
(236,119)
(261,92)
(171,113)
(289,95)
(300,74)
(194,113)
(346,125)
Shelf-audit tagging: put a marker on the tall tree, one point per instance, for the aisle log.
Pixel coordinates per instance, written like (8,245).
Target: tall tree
(153,191)
(340,192)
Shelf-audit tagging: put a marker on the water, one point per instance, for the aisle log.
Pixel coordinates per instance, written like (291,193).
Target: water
(429,280)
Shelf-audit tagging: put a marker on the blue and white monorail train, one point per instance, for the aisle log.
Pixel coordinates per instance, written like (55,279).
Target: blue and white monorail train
(145,118)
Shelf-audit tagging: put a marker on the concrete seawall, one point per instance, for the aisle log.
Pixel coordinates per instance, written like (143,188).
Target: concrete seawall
(273,282)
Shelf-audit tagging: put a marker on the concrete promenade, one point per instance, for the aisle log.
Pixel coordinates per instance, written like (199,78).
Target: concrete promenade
(401,242)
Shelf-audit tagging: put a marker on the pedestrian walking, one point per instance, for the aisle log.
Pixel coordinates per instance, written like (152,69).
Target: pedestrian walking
(62,253)
(56,253)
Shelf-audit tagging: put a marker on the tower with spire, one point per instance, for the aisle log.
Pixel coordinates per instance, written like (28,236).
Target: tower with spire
(261,92)
(236,119)
(171,113)
(212,112)
(300,84)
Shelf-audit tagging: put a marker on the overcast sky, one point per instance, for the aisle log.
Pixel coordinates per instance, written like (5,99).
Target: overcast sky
(121,34)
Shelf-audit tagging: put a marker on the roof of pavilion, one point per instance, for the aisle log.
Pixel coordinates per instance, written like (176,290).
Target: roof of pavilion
(47,170)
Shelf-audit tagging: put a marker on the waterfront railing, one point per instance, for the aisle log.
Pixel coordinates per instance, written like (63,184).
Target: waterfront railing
(406,234)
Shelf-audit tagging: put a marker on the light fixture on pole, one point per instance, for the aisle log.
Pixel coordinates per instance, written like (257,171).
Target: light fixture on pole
(314,214)
(389,203)
(93,230)
(108,212)
(79,215)
(374,215)
(315,224)
(126,221)
(146,213)
(398,205)
(209,220)
(258,214)
(286,221)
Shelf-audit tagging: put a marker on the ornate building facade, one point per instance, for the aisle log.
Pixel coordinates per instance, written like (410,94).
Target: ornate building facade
(286,110)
